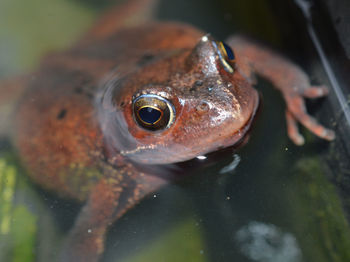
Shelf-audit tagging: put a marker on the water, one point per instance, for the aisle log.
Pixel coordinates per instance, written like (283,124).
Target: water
(274,202)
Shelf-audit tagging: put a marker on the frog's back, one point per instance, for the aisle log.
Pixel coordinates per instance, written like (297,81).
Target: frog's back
(58,134)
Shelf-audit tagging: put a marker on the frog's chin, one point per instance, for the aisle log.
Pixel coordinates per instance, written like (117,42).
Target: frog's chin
(160,156)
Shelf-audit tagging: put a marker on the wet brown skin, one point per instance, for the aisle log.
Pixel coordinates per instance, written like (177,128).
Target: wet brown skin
(77,134)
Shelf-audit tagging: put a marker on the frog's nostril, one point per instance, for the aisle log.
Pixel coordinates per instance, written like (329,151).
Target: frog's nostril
(203,107)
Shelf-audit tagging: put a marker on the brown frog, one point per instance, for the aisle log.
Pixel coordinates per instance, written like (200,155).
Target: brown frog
(133,94)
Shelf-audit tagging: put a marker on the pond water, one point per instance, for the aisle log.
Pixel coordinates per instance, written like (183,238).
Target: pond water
(269,201)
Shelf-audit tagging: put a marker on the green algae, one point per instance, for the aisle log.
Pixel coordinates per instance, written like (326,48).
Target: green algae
(317,214)
(30,29)
(182,242)
(7,188)
(24,234)
(18,225)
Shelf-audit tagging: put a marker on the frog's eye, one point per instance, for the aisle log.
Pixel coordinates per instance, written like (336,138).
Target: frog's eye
(153,112)
(226,55)
(227,51)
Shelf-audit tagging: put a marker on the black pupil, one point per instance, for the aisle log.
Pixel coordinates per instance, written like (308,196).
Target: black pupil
(229,52)
(149,115)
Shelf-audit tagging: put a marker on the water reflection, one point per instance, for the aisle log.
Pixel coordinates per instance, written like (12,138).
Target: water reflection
(231,166)
(267,243)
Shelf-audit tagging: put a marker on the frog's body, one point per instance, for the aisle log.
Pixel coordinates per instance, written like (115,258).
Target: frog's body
(67,136)
(76,124)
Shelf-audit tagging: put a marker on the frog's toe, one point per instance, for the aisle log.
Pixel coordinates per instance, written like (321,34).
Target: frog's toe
(315,91)
(296,106)
(292,130)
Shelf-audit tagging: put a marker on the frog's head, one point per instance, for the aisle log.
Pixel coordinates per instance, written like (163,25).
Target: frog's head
(183,104)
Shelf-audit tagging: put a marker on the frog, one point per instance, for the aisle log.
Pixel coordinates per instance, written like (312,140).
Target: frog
(97,122)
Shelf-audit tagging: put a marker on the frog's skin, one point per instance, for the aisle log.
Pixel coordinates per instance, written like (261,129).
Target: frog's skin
(76,130)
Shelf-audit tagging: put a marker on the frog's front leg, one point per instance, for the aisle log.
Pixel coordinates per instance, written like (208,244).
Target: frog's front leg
(108,201)
(290,79)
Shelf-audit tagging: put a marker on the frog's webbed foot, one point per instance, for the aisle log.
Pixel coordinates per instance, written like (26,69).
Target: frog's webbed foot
(296,112)
(291,80)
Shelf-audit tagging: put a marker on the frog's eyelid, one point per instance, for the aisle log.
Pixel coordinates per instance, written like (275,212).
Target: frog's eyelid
(223,60)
